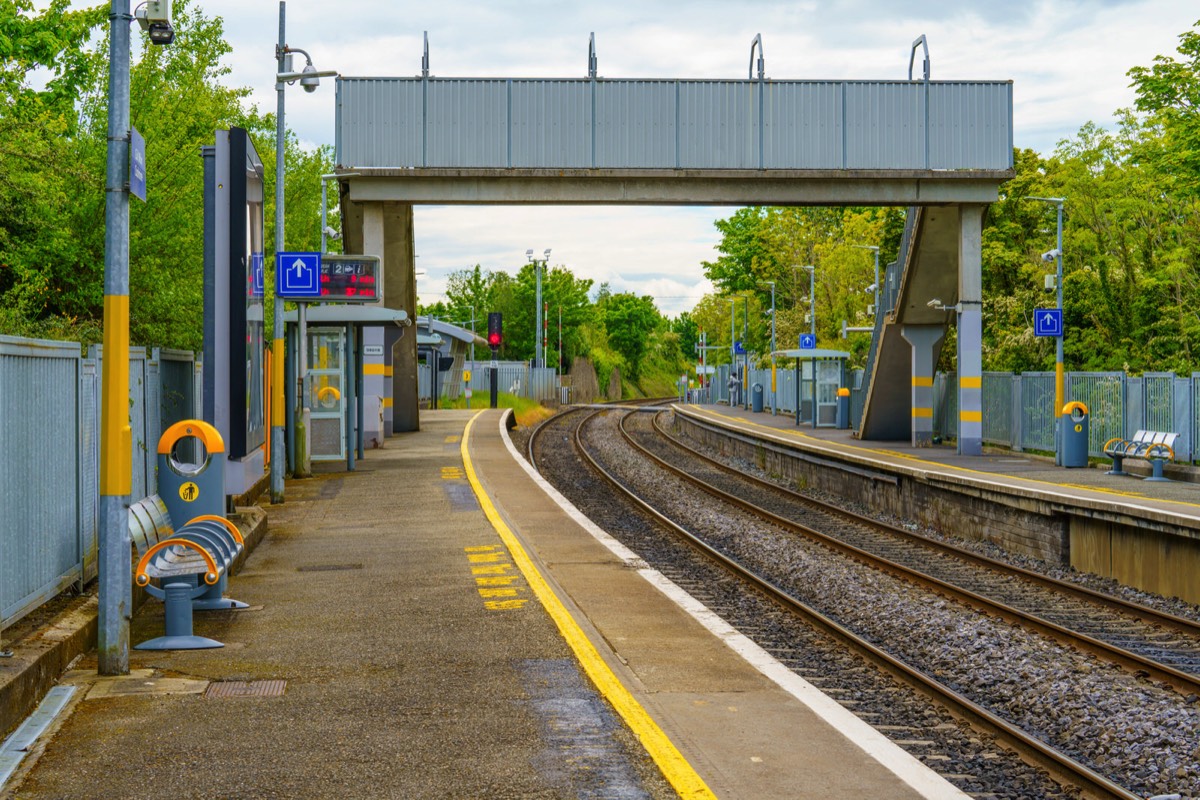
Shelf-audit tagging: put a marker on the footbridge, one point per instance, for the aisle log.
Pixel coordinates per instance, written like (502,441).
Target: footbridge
(941,146)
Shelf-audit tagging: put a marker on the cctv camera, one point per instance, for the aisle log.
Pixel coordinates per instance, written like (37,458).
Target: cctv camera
(1051,255)
(935,303)
(331,233)
(155,18)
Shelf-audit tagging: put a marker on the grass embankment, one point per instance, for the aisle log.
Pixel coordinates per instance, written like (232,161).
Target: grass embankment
(528,412)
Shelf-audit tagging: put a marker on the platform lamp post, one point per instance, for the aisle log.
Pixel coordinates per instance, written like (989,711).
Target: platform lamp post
(537,317)
(1059,392)
(309,79)
(774,410)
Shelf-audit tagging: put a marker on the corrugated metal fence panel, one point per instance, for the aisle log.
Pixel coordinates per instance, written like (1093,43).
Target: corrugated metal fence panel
(1037,411)
(137,420)
(1104,395)
(803,125)
(970,125)
(997,408)
(1183,419)
(1134,403)
(885,126)
(39,473)
(381,122)
(468,123)
(154,429)
(635,124)
(89,465)
(718,125)
(177,374)
(552,124)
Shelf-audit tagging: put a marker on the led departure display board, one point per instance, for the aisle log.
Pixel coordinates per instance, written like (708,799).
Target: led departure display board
(350,279)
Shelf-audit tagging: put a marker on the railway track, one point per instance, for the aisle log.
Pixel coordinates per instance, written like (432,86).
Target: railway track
(1163,646)
(1036,747)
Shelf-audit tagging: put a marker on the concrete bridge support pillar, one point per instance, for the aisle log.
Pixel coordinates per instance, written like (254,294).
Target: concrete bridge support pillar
(970,331)
(385,229)
(923,339)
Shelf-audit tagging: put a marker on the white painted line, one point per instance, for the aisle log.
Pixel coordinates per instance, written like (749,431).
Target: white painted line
(17,745)
(904,766)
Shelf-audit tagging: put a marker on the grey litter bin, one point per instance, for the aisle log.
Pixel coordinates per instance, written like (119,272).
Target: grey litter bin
(843,409)
(756,397)
(1075,435)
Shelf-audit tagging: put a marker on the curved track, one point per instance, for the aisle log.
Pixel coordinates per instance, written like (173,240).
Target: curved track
(1032,748)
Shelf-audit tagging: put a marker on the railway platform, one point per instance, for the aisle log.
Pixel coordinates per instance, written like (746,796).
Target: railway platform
(1143,533)
(437,624)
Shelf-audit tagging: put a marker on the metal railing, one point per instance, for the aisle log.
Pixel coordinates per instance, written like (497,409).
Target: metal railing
(50,475)
(515,378)
(1018,410)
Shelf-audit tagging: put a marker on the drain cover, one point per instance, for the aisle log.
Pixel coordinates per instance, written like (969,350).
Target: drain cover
(223,689)
(328,567)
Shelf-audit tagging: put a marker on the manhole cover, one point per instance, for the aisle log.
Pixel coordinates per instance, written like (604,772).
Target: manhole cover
(328,567)
(223,689)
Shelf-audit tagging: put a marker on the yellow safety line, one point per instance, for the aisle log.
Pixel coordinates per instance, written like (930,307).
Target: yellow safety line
(675,768)
(920,460)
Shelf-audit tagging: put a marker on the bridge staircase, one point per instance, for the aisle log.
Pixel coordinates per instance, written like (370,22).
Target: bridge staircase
(926,269)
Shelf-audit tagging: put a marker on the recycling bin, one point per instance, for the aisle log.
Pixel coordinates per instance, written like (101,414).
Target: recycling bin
(1074,435)
(756,397)
(843,409)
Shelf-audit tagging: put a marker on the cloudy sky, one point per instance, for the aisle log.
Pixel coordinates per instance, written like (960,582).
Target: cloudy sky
(1067,59)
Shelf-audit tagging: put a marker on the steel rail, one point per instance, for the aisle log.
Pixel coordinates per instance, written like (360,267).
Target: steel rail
(1181,624)
(1029,748)
(1133,662)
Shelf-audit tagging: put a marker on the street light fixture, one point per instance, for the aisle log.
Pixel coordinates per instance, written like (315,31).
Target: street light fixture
(874,250)
(812,298)
(1056,255)
(309,79)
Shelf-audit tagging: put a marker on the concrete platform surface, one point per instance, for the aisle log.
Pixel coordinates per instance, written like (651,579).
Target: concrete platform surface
(402,643)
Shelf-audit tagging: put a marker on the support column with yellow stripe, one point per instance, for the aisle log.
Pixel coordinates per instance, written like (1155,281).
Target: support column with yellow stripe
(970,331)
(116,444)
(922,338)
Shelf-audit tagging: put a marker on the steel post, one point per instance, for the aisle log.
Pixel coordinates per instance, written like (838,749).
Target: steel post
(278,407)
(116,445)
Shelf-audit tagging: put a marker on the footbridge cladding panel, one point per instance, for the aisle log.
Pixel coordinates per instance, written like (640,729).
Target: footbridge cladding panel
(501,123)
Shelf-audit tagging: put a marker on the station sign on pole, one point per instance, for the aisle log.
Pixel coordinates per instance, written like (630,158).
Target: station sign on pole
(1047,322)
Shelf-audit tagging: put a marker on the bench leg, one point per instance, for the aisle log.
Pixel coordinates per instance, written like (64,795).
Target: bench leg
(214,599)
(1156,473)
(1118,466)
(177,610)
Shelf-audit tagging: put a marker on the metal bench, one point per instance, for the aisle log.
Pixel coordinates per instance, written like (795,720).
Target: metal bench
(1157,447)
(191,565)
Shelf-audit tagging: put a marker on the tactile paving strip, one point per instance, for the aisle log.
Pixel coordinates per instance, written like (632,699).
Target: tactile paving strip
(224,689)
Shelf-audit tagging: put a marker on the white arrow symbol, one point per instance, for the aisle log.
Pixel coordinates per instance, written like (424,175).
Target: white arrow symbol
(300,268)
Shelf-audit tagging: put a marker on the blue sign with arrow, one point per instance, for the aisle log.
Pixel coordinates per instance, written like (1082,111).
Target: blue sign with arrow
(298,276)
(738,348)
(808,341)
(1047,322)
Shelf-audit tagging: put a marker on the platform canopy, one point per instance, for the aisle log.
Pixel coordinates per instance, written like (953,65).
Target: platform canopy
(814,354)
(346,314)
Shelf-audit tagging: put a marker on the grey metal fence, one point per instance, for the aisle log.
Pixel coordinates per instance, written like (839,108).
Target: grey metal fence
(49,477)
(1018,410)
(515,377)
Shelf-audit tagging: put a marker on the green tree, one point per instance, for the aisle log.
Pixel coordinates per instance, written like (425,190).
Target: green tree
(1170,89)
(629,320)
